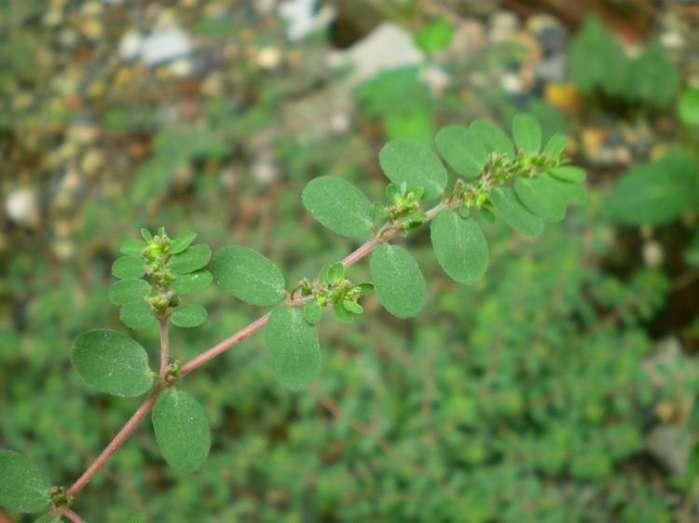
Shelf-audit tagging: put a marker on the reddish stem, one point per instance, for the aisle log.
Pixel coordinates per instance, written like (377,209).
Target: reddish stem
(164,347)
(72,516)
(116,443)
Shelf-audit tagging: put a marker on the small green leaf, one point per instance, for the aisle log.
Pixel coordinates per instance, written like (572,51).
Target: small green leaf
(248,275)
(568,173)
(556,145)
(181,430)
(128,291)
(312,312)
(508,207)
(543,197)
(434,36)
(493,138)
(574,193)
(293,348)
(49,518)
(132,247)
(399,283)
(342,314)
(460,246)
(413,163)
(129,267)
(365,288)
(188,283)
(192,259)
(188,316)
(527,132)
(112,362)
(339,206)
(146,234)
(352,306)
(335,273)
(137,316)
(181,242)
(462,149)
(23,485)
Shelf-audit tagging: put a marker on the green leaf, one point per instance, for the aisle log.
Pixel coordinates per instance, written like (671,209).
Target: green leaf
(181,430)
(413,163)
(188,316)
(344,315)
(688,107)
(543,197)
(434,36)
(568,173)
(23,485)
(508,207)
(335,273)
(352,306)
(188,283)
(462,149)
(574,193)
(527,132)
(112,362)
(129,267)
(146,234)
(132,247)
(248,275)
(339,206)
(49,518)
(398,279)
(653,77)
(460,247)
(655,193)
(293,348)
(128,291)
(312,312)
(137,316)
(181,242)
(493,138)
(556,145)
(192,259)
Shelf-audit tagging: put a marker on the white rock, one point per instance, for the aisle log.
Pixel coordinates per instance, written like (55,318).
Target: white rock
(22,207)
(436,78)
(302,19)
(269,57)
(130,46)
(386,47)
(340,122)
(165,45)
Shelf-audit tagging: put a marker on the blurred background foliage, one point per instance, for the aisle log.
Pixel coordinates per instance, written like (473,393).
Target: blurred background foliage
(561,388)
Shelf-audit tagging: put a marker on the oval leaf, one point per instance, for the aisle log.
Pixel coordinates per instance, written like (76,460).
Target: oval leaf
(513,213)
(494,139)
(542,196)
(398,279)
(568,173)
(193,259)
(460,246)
(188,283)
(339,206)
(137,316)
(248,275)
(462,150)
(293,348)
(132,247)
(189,316)
(128,291)
(112,362)
(23,486)
(181,430)
(182,242)
(556,145)
(527,132)
(413,163)
(129,267)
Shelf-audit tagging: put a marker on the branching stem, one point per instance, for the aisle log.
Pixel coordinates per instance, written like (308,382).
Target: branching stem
(386,233)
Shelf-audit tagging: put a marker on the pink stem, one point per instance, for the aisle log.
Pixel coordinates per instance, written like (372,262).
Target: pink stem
(164,347)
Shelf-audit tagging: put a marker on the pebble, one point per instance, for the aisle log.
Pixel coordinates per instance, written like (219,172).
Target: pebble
(268,57)
(265,169)
(653,255)
(503,26)
(550,33)
(387,47)
(303,18)
(436,78)
(22,207)
(468,40)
